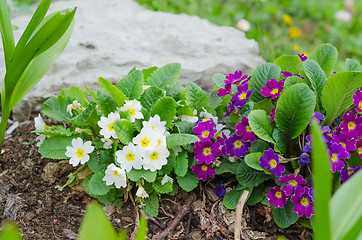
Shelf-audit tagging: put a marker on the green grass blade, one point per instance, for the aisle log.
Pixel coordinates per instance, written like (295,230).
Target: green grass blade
(38,16)
(6,32)
(322,185)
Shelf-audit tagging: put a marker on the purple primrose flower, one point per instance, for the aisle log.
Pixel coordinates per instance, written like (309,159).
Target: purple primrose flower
(351,125)
(347,173)
(205,130)
(244,130)
(304,203)
(206,151)
(302,57)
(242,95)
(359,147)
(220,191)
(203,170)
(231,109)
(273,88)
(287,74)
(336,156)
(272,113)
(357,100)
(293,182)
(235,78)
(308,145)
(271,162)
(236,147)
(304,159)
(317,116)
(277,197)
(350,145)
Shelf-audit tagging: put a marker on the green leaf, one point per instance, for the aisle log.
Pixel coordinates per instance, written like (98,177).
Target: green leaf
(252,160)
(284,217)
(218,79)
(259,122)
(55,147)
(337,94)
(9,231)
(99,161)
(6,33)
(97,186)
(135,175)
(266,105)
(322,184)
(280,141)
(316,76)
(214,100)
(142,229)
(188,182)
(171,162)
(132,85)
(56,108)
(197,98)
(259,146)
(180,139)
(231,198)
(105,101)
(326,56)
(353,65)
(151,205)
(185,127)
(95,224)
(56,130)
(260,76)
(150,97)
(174,90)
(75,93)
(346,208)
(249,177)
(165,108)
(116,94)
(294,109)
(257,195)
(288,63)
(165,76)
(124,130)
(226,167)
(182,164)
(293,80)
(162,189)
(87,118)
(111,198)
(147,72)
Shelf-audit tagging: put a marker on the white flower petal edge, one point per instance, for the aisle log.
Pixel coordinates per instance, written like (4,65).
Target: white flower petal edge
(155,124)
(166,179)
(107,125)
(155,158)
(141,193)
(130,157)
(79,151)
(39,123)
(115,175)
(134,107)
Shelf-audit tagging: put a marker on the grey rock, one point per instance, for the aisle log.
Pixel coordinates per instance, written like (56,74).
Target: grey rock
(111,37)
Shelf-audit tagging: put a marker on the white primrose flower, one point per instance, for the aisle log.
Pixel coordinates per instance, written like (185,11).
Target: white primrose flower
(108,143)
(75,105)
(188,118)
(145,87)
(206,115)
(115,175)
(343,16)
(141,193)
(39,123)
(166,179)
(107,125)
(40,139)
(130,157)
(243,25)
(155,158)
(156,124)
(78,130)
(146,139)
(79,151)
(134,107)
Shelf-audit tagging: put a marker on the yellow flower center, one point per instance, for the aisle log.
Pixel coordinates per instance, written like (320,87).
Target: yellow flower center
(359,150)
(111,127)
(204,167)
(248,129)
(242,96)
(273,163)
(350,172)
(343,144)
(130,157)
(115,173)
(205,119)
(334,157)
(360,105)
(154,156)
(238,144)
(158,142)
(275,91)
(205,134)
(293,183)
(304,201)
(79,153)
(278,194)
(351,126)
(145,142)
(133,111)
(207,151)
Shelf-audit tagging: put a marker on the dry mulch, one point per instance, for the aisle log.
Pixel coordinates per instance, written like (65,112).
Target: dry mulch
(33,201)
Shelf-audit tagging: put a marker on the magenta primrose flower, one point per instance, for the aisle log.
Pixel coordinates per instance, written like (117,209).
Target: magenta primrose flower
(317,116)
(203,170)
(351,125)
(308,145)
(304,203)
(271,162)
(336,156)
(293,182)
(302,57)
(272,113)
(205,130)
(350,145)
(277,197)
(206,151)
(357,100)
(235,78)
(244,130)
(231,109)
(236,147)
(273,88)
(359,147)
(242,95)
(287,74)
(347,173)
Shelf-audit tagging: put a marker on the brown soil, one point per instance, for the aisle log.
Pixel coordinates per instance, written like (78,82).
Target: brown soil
(43,212)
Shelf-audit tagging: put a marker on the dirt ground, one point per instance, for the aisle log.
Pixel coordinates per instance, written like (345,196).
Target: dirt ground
(34,202)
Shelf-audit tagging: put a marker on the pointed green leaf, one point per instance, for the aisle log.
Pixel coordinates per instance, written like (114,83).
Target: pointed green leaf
(174,90)
(197,98)
(180,139)
(260,124)
(56,130)
(87,117)
(6,32)
(288,63)
(55,147)
(132,85)
(260,76)
(116,94)
(124,130)
(231,198)
(257,195)
(147,72)
(214,100)
(182,164)
(106,103)
(249,177)
(316,76)
(150,96)
(326,56)
(75,93)
(165,76)
(142,229)
(353,65)
(165,108)
(337,94)
(252,160)
(56,108)
(284,217)
(9,231)
(294,109)
(188,182)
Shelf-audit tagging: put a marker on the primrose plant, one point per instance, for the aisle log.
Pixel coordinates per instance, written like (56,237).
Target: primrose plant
(267,143)
(43,40)
(135,137)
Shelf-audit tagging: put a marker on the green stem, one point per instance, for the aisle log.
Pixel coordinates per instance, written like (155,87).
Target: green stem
(3,124)
(6,33)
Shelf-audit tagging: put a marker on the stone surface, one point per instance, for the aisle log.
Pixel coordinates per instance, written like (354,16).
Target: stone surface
(110,38)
